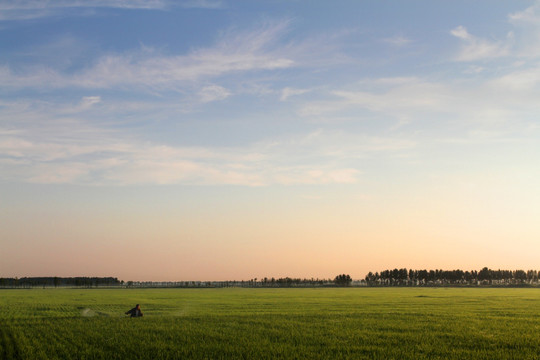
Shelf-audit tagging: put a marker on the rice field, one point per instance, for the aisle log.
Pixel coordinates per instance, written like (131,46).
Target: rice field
(234,323)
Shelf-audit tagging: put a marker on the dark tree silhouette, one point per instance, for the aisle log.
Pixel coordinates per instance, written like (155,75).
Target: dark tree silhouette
(438,277)
(343,280)
(56,281)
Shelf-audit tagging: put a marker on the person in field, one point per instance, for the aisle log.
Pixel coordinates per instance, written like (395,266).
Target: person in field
(135,312)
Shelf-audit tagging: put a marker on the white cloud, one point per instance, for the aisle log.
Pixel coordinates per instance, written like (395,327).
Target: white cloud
(398,40)
(89,101)
(288,92)
(461,32)
(136,163)
(397,97)
(531,15)
(415,95)
(476,48)
(526,79)
(474,69)
(213,93)
(527,23)
(523,42)
(506,104)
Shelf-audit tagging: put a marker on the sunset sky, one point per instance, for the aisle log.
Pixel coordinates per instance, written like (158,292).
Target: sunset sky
(219,140)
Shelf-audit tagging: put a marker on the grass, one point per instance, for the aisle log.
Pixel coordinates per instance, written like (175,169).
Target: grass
(365,323)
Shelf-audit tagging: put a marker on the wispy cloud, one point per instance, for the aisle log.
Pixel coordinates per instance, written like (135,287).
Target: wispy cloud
(234,52)
(213,93)
(71,143)
(88,101)
(528,24)
(476,48)
(397,96)
(288,92)
(530,15)
(398,40)
(522,42)
(52,143)
(32,9)
(20,10)
(520,80)
(121,163)
(503,104)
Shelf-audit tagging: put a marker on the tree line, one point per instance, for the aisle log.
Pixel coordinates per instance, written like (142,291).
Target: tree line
(486,276)
(395,277)
(254,282)
(339,280)
(30,282)
(55,281)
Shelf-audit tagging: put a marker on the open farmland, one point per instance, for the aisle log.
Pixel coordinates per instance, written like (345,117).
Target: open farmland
(365,323)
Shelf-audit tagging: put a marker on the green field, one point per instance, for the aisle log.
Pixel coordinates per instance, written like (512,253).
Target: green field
(355,323)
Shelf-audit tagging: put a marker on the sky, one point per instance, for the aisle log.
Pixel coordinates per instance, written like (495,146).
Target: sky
(219,140)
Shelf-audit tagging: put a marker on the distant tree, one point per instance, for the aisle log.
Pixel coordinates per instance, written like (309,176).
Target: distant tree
(485,275)
(520,276)
(343,280)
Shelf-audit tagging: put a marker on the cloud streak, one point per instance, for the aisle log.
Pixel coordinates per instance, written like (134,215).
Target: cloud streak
(54,144)
(504,105)
(47,4)
(12,10)
(476,48)
(234,52)
(530,15)
(124,163)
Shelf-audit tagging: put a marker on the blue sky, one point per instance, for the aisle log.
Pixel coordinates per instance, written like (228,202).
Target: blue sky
(408,122)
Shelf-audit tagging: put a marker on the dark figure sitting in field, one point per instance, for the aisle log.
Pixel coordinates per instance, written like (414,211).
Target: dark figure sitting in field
(135,312)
